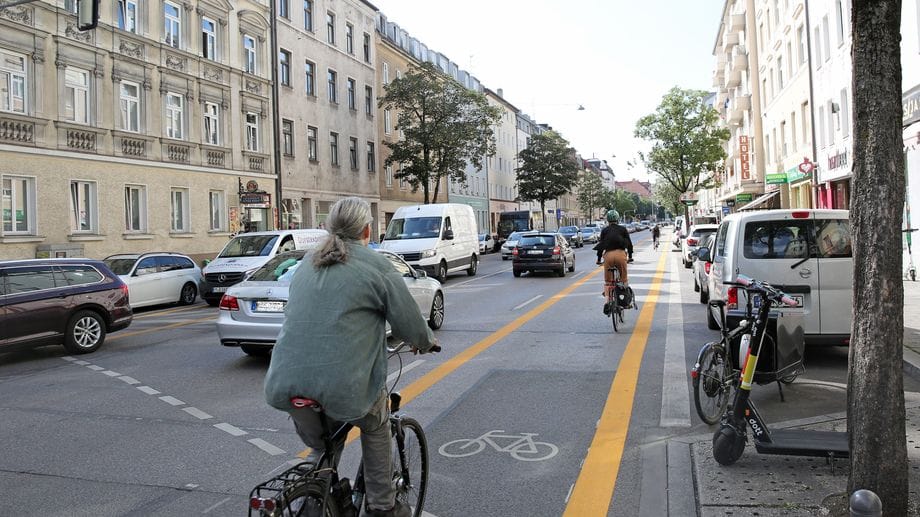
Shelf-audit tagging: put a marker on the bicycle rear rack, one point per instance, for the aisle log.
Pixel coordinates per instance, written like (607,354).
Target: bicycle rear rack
(268,499)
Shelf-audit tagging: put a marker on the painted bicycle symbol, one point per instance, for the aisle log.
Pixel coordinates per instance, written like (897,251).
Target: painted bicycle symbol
(520,446)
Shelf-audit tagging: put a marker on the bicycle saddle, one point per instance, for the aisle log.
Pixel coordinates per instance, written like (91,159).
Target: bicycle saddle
(302,402)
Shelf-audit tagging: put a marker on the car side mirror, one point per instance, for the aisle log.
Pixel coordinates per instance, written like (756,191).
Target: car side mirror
(703,254)
(448,235)
(420,273)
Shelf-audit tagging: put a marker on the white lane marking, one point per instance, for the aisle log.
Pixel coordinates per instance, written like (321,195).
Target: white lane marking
(392,377)
(197,413)
(95,367)
(477,286)
(535,298)
(148,390)
(129,380)
(230,429)
(110,373)
(68,358)
(172,401)
(267,447)
(675,397)
(81,363)
(477,278)
(215,505)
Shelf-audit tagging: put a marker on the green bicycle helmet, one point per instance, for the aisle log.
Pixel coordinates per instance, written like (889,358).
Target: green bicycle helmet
(613,216)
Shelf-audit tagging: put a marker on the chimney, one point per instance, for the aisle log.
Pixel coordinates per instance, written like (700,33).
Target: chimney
(500,92)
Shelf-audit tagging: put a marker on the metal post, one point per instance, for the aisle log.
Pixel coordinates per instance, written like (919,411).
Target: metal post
(811,109)
(864,503)
(276,113)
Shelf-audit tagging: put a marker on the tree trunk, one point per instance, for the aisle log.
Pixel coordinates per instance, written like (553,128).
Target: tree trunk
(543,213)
(875,394)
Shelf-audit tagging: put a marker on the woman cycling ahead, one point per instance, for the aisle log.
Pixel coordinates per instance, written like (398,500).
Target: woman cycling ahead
(615,244)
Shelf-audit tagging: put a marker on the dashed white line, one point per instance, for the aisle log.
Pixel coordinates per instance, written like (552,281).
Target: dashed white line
(197,413)
(110,373)
(215,505)
(68,358)
(535,298)
(81,363)
(172,401)
(129,380)
(392,377)
(230,429)
(267,447)
(95,367)
(148,390)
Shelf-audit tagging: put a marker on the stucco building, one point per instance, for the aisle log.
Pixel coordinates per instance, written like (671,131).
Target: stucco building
(502,177)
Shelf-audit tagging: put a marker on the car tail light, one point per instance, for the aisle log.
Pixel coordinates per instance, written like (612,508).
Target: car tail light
(707,266)
(262,503)
(557,250)
(229,303)
(124,290)
(514,251)
(800,214)
(732,298)
(691,241)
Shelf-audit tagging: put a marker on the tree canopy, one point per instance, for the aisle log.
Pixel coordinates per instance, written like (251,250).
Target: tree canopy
(548,169)
(445,127)
(591,193)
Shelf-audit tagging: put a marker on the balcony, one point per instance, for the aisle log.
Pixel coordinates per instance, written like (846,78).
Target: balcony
(739,58)
(733,77)
(731,39)
(736,22)
(718,78)
(17,131)
(738,106)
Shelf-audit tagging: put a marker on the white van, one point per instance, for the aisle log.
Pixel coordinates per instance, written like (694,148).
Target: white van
(247,252)
(805,252)
(438,238)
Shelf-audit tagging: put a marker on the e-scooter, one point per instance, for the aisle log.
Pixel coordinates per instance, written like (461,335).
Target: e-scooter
(729,440)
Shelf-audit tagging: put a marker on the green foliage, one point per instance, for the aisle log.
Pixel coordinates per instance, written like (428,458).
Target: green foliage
(548,169)
(591,191)
(445,127)
(669,197)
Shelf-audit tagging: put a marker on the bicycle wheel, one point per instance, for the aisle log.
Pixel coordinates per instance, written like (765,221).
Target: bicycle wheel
(712,385)
(306,500)
(615,315)
(411,465)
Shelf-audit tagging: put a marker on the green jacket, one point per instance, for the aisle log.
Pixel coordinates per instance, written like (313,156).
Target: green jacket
(332,346)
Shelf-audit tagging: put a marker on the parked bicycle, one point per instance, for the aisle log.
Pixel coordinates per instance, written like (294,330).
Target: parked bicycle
(315,489)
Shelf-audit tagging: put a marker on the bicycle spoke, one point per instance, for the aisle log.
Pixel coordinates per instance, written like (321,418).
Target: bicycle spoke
(410,462)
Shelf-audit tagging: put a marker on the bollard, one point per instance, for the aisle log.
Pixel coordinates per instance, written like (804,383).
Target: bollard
(864,503)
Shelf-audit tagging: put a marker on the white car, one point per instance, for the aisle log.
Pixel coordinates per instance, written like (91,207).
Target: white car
(509,244)
(157,278)
(252,311)
(486,243)
(696,236)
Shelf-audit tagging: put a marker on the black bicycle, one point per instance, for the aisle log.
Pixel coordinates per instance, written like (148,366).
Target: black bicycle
(315,489)
(619,298)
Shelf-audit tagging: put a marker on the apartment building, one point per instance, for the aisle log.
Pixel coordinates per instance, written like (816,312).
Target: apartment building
(328,108)
(502,176)
(910,81)
(146,133)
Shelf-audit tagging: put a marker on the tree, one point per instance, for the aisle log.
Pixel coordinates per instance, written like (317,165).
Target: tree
(590,193)
(548,169)
(445,127)
(623,202)
(668,196)
(875,394)
(686,141)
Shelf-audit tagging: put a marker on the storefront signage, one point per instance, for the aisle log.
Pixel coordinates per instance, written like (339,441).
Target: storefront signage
(911,101)
(744,151)
(773,179)
(729,202)
(252,186)
(255,200)
(744,198)
(836,161)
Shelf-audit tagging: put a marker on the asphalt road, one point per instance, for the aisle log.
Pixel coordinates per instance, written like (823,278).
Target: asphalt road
(163,420)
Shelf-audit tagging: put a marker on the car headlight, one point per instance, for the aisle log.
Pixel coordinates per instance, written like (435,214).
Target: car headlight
(429,253)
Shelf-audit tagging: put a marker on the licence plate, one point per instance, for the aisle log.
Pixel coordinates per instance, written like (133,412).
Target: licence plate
(799,299)
(267,306)
(219,290)
(534,252)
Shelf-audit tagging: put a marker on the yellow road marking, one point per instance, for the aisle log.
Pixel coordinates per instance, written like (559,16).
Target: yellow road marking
(446,368)
(168,311)
(156,329)
(593,490)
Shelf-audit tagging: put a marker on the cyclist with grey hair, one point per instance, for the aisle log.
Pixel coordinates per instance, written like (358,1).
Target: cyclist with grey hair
(332,346)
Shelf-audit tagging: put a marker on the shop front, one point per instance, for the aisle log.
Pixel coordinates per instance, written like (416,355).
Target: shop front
(255,209)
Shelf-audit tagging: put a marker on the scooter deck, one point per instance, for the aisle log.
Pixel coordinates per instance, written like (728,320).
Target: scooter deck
(799,442)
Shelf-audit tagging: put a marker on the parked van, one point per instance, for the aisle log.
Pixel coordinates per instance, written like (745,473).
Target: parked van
(439,238)
(247,252)
(807,253)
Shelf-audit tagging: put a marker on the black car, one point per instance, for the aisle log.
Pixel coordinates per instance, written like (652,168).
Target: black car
(74,302)
(542,252)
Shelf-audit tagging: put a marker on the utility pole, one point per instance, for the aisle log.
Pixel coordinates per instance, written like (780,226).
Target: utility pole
(276,113)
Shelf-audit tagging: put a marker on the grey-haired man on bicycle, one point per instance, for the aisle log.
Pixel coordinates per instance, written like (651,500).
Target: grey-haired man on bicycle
(332,346)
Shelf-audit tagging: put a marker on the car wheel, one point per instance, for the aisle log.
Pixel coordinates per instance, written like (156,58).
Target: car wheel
(516,272)
(696,284)
(436,316)
(85,332)
(441,275)
(256,351)
(572,266)
(561,271)
(474,266)
(188,294)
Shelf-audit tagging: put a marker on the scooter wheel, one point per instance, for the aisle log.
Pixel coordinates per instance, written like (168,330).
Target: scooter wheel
(727,445)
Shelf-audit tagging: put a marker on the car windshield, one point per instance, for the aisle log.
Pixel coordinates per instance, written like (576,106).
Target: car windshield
(537,240)
(249,246)
(568,229)
(414,228)
(120,266)
(279,269)
(514,236)
(483,236)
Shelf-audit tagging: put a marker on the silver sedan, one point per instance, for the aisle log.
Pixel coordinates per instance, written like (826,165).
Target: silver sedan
(252,311)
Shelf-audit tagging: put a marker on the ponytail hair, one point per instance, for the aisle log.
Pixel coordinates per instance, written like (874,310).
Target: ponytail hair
(346,222)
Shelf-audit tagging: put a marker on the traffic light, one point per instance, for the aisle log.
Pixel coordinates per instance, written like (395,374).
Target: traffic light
(87,14)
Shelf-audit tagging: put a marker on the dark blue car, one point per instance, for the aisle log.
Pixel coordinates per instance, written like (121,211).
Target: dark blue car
(573,235)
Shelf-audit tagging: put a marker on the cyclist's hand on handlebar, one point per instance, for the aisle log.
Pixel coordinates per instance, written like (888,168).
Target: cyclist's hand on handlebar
(435,348)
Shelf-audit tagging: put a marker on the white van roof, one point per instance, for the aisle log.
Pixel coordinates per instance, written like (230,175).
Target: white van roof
(430,210)
(789,213)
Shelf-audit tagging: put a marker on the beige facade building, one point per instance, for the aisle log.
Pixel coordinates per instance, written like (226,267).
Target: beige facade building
(501,173)
(328,107)
(139,135)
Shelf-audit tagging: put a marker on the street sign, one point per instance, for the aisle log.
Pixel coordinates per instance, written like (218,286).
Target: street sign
(689,198)
(806,166)
(744,197)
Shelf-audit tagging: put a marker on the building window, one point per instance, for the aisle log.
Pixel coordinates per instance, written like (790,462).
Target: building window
(179,209)
(83,215)
(12,82)
(308,15)
(793,136)
(172,24)
(287,137)
(211,123)
(821,126)
(70,6)
(127,15)
(386,122)
(840,25)
(827,38)
(331,78)
(249,54)
(844,113)
(18,203)
(129,102)
(806,124)
(216,210)
(351,93)
(135,208)
(349,38)
(330,28)
(311,143)
(284,67)
(801,41)
(367,48)
(76,95)
(353,153)
(386,73)
(817,47)
(284,9)
(389,176)
(369,101)
(175,115)
(252,132)
(371,158)
(334,148)
(779,72)
(310,78)
(782,139)
(790,63)
(208,38)
(830,123)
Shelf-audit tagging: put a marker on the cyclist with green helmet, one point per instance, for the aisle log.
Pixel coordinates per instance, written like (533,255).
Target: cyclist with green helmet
(614,244)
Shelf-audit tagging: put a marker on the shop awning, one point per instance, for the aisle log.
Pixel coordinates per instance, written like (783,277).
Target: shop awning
(759,202)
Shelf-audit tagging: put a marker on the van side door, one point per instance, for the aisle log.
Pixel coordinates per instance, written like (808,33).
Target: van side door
(719,272)
(835,273)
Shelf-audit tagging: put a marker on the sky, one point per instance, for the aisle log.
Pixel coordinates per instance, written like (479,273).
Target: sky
(617,58)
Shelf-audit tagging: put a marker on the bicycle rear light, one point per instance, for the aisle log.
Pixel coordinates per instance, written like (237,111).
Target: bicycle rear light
(229,303)
(262,503)
(732,298)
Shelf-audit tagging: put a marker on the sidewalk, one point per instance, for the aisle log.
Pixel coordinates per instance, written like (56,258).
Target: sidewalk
(765,485)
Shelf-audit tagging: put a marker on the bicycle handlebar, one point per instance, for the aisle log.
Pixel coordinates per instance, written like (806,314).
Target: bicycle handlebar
(767,289)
